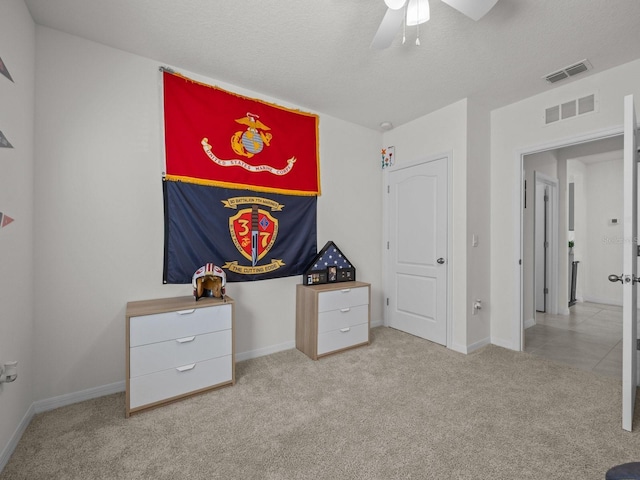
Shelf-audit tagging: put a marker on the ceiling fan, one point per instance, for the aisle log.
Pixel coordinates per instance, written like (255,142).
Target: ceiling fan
(416,12)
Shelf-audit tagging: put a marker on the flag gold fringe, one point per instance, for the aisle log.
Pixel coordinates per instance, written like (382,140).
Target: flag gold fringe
(238,186)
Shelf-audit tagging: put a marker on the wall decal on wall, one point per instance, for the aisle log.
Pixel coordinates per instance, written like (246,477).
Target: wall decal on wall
(4,143)
(4,71)
(388,156)
(5,220)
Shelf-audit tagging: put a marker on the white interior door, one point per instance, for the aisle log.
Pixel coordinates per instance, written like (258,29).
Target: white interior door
(418,250)
(629,259)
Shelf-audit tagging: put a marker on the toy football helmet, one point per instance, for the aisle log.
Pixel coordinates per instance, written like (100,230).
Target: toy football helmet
(209,281)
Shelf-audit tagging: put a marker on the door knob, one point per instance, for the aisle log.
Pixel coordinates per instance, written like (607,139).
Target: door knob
(615,278)
(440,260)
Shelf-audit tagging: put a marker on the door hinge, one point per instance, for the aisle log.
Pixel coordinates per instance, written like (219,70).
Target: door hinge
(520,262)
(638,344)
(387,245)
(546,244)
(546,198)
(388,305)
(546,290)
(388,189)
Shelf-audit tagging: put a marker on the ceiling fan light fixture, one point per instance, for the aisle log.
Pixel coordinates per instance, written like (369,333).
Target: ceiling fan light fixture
(474,9)
(418,12)
(395,4)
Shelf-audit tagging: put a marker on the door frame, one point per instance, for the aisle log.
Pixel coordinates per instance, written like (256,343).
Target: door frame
(630,266)
(517,324)
(551,267)
(386,268)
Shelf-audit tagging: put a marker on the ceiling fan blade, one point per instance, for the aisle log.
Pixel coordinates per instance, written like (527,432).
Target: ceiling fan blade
(388,28)
(474,9)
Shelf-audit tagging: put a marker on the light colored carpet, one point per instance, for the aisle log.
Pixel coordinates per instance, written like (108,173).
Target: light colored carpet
(399,408)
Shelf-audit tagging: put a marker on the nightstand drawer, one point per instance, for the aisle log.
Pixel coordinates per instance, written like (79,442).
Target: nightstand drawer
(345,317)
(343,338)
(155,357)
(175,382)
(161,327)
(343,298)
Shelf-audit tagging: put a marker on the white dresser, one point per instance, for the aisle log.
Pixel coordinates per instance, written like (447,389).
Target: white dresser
(332,317)
(177,347)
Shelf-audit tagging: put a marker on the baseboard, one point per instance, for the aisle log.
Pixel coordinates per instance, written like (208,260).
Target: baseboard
(377,323)
(604,301)
(466,349)
(478,345)
(75,397)
(15,438)
(530,322)
(261,352)
(501,342)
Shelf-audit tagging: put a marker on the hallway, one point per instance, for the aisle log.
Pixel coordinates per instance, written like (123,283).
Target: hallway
(590,338)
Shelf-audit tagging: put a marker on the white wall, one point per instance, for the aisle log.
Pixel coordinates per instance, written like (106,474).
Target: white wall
(478,214)
(18,287)
(604,197)
(444,132)
(99,218)
(516,129)
(576,174)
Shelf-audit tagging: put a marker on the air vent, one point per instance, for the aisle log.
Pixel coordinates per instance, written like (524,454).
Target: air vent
(569,71)
(570,109)
(586,104)
(552,114)
(556,77)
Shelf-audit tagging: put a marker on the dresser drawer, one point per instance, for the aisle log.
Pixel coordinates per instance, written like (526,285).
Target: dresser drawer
(155,357)
(343,338)
(170,383)
(344,317)
(161,327)
(345,297)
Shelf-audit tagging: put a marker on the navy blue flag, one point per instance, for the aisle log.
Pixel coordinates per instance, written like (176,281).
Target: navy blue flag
(251,235)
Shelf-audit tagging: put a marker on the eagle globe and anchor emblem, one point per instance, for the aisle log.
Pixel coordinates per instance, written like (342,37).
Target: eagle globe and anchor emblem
(251,141)
(248,143)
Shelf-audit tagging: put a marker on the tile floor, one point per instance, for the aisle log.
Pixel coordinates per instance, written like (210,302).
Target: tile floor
(590,338)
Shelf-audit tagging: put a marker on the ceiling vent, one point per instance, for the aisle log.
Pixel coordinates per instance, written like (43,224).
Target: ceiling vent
(570,109)
(569,71)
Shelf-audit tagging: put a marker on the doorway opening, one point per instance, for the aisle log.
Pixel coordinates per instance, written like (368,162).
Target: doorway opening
(596,315)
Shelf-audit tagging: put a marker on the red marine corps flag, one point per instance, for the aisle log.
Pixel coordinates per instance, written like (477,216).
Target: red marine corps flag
(214,137)
(240,184)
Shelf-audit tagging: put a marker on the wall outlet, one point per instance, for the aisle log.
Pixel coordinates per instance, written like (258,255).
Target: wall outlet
(477,305)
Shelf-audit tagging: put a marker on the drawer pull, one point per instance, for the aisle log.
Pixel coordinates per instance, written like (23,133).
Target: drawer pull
(345,310)
(345,330)
(345,290)
(186,312)
(185,339)
(186,368)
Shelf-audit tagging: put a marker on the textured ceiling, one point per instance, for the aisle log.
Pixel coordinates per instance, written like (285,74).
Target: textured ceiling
(316,54)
